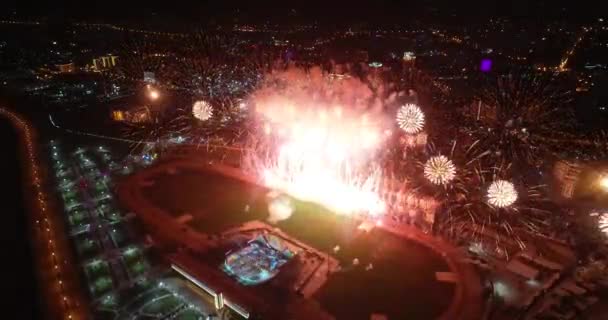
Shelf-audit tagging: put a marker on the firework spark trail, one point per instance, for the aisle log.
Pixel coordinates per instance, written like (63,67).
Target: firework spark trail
(519,117)
(480,200)
(320,141)
(218,70)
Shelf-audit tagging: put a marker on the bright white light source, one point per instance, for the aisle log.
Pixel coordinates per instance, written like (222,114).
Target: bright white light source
(501,290)
(153,94)
(501,193)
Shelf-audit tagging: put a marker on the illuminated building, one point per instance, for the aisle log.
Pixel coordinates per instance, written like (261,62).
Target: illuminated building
(281,43)
(105,62)
(259,261)
(139,115)
(567,173)
(375,64)
(118,115)
(409,56)
(149,77)
(66,67)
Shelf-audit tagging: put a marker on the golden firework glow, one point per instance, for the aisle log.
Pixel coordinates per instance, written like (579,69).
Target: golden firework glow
(410,118)
(501,193)
(439,170)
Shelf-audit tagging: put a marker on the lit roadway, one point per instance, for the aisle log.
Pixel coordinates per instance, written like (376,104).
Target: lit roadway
(57,273)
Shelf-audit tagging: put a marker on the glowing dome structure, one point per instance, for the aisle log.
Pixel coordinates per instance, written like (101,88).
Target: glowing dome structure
(257,262)
(502,193)
(439,170)
(410,118)
(280,207)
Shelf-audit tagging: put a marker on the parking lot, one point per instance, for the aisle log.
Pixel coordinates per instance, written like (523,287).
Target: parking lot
(120,279)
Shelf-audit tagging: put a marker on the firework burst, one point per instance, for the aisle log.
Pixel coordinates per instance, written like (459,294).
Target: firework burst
(410,118)
(156,129)
(502,193)
(492,207)
(439,170)
(217,71)
(312,147)
(202,110)
(520,117)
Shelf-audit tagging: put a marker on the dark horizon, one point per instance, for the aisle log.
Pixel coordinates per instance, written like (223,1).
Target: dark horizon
(381,11)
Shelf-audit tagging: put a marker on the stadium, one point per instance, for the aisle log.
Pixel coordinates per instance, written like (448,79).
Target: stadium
(212,222)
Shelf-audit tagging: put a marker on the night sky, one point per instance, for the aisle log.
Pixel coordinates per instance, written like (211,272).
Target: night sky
(393,11)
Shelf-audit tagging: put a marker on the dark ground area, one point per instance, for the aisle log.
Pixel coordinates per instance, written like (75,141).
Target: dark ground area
(215,202)
(400,284)
(23,292)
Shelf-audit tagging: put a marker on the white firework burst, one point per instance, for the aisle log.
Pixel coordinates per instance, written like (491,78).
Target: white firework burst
(603,223)
(202,110)
(502,193)
(410,118)
(439,170)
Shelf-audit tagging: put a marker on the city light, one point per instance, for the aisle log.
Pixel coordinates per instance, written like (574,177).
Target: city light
(153,94)
(485,65)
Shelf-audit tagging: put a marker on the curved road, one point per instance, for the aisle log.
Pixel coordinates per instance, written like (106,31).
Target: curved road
(56,274)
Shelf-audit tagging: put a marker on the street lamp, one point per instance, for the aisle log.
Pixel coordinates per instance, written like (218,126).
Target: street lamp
(153,94)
